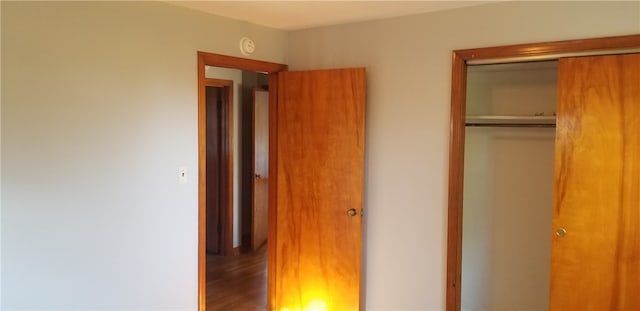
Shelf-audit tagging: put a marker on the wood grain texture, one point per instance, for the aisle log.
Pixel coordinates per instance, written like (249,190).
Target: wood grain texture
(217,60)
(551,48)
(260,185)
(456,181)
(237,283)
(202,185)
(457,136)
(273,191)
(221,192)
(320,153)
(214,166)
(596,266)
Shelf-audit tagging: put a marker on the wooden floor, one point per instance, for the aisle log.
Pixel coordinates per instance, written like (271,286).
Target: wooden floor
(237,283)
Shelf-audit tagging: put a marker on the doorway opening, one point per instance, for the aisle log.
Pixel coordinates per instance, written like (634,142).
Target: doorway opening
(226,231)
(237,180)
(316,166)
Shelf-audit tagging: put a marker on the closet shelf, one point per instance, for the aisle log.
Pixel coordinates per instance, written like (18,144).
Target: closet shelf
(505,120)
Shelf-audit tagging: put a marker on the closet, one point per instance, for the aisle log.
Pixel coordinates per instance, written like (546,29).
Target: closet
(508,185)
(544,200)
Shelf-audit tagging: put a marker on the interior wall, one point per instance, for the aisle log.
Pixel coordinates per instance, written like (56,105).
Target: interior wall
(234,75)
(508,189)
(506,245)
(99,109)
(408,61)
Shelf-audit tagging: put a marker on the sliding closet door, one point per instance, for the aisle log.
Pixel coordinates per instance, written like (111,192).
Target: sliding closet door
(596,215)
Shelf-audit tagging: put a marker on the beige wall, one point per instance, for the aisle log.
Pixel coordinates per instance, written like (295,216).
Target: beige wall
(408,64)
(99,109)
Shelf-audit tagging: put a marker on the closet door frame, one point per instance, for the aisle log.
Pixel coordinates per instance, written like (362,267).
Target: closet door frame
(493,55)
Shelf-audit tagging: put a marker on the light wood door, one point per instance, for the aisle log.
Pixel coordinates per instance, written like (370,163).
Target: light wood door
(259,228)
(319,149)
(596,264)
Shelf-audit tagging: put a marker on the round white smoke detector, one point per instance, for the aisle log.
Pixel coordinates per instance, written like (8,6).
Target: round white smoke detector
(247,46)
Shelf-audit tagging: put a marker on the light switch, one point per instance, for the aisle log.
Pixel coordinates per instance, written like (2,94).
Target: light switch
(182,175)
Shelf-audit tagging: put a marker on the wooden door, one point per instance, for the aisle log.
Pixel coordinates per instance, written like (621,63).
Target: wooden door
(218,166)
(596,251)
(214,168)
(259,211)
(319,144)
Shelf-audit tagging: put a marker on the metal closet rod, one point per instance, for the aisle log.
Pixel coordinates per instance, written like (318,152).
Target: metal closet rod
(537,120)
(544,125)
(536,58)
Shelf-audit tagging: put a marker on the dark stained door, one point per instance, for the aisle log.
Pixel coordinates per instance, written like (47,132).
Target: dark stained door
(214,101)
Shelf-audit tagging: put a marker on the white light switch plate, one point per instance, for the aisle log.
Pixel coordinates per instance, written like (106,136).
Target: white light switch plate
(182,175)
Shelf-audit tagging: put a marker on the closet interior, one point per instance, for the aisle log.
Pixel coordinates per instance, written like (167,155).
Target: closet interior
(543,177)
(508,185)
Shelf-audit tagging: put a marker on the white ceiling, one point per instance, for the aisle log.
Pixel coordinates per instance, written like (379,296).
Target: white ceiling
(292,15)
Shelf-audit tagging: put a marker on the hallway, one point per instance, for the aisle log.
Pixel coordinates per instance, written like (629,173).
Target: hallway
(237,283)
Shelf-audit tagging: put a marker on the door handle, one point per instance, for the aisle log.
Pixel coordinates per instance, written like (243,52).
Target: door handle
(352,212)
(258,176)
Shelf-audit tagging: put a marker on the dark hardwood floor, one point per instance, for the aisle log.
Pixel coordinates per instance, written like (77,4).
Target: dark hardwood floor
(237,283)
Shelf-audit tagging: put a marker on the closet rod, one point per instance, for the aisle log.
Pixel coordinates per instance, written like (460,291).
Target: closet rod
(538,125)
(537,58)
(512,121)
